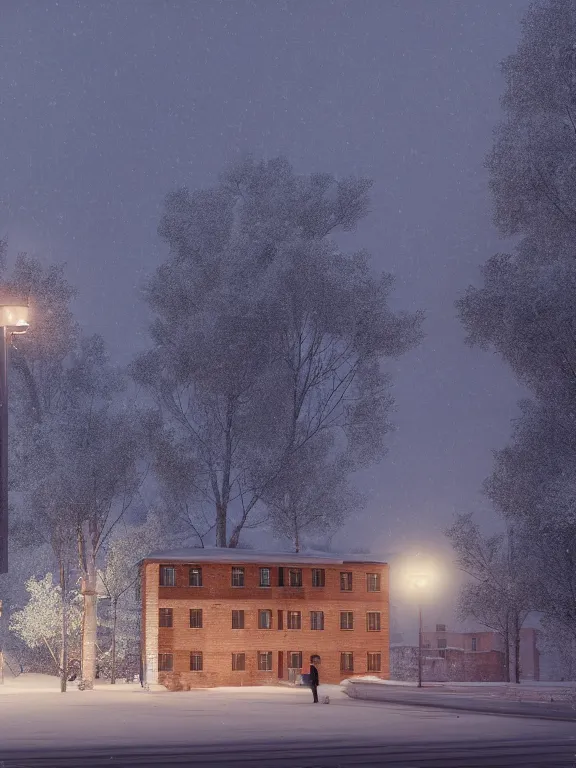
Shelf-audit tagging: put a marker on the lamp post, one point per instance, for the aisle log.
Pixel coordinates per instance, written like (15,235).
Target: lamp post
(13,320)
(420,583)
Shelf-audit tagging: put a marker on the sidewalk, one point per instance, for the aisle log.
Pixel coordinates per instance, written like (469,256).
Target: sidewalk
(36,683)
(543,704)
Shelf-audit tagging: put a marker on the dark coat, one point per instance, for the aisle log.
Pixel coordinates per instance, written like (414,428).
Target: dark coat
(314,676)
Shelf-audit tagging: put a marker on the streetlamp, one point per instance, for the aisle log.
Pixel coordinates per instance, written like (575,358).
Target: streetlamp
(13,320)
(420,583)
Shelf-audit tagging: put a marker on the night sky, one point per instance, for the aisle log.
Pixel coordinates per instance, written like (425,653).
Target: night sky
(107,106)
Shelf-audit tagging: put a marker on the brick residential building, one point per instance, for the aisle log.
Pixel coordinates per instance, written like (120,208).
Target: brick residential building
(214,617)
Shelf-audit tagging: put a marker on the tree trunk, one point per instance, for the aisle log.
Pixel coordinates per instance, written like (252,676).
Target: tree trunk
(221,525)
(516,650)
(114,623)
(64,649)
(89,635)
(507,651)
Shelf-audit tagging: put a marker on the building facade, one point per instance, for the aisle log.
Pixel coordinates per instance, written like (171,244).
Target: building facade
(238,617)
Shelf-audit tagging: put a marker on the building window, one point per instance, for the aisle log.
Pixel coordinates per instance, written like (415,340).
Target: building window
(196,618)
(165,662)
(374,662)
(373,582)
(280,620)
(280,577)
(294,659)
(238,662)
(167,576)
(316,619)
(347,662)
(196,661)
(318,577)
(264,619)
(294,620)
(440,627)
(165,617)
(474,644)
(237,577)
(346,581)
(346,620)
(295,577)
(237,619)
(264,661)
(373,621)
(195,577)
(265,577)
(442,643)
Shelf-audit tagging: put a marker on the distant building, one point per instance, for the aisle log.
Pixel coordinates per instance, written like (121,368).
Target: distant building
(215,617)
(477,656)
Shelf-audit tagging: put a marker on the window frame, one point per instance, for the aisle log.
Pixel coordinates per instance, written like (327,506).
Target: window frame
(378,621)
(198,612)
(350,614)
(236,656)
(164,657)
(198,570)
(371,667)
(269,657)
(290,616)
(261,582)
(378,581)
(442,643)
(313,620)
(239,612)
(265,612)
(161,573)
(344,655)
(166,612)
(196,655)
(299,656)
(474,644)
(318,575)
(238,570)
(348,580)
(299,580)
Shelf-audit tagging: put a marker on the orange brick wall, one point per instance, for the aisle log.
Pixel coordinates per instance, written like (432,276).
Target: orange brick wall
(217,640)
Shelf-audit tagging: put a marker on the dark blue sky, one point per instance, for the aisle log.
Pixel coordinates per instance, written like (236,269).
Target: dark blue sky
(106,106)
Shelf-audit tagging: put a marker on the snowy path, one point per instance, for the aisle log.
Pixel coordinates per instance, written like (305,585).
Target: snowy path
(131,718)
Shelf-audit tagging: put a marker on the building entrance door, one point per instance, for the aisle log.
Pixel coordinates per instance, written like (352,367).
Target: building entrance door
(280,665)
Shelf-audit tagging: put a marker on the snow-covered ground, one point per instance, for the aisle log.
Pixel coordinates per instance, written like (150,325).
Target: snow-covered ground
(129,716)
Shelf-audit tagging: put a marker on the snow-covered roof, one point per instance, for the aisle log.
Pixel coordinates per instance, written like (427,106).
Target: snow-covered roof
(196,555)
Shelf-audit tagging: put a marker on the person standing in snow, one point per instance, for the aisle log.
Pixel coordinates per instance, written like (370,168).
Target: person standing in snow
(314,676)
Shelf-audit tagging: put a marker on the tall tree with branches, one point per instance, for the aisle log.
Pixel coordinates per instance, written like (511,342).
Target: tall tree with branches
(266,338)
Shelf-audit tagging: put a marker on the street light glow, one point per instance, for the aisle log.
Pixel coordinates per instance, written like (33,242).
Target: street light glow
(14,317)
